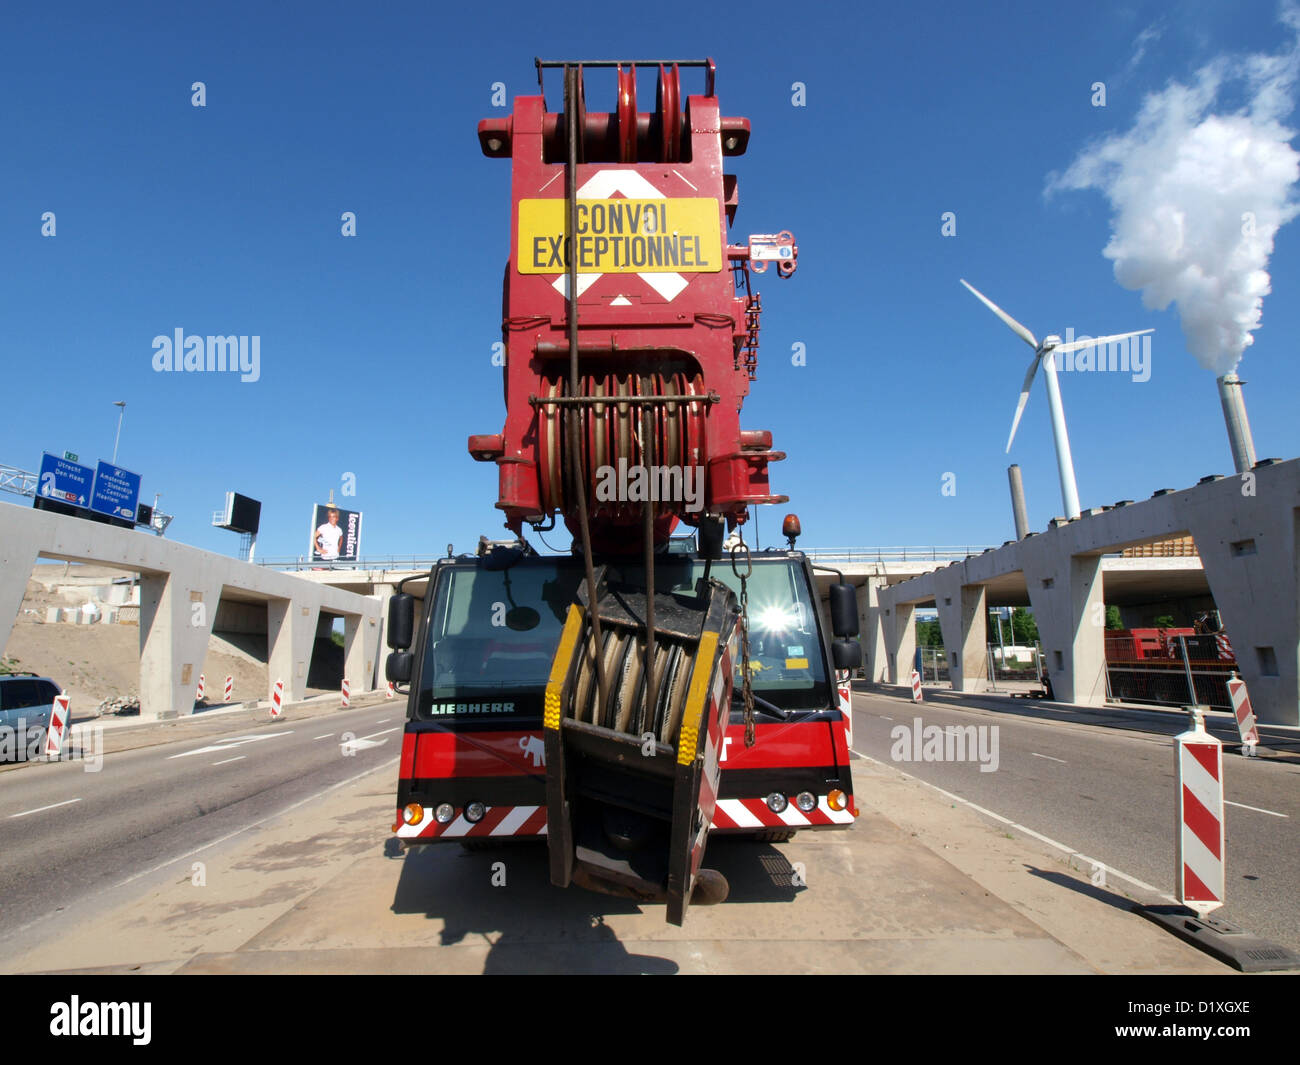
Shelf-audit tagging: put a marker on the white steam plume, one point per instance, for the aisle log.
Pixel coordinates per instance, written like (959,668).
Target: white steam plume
(1199,193)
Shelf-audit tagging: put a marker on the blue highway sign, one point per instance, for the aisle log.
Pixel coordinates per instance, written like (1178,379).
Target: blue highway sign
(64,481)
(116,492)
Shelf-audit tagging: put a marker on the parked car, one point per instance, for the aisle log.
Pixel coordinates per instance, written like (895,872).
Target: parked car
(26,702)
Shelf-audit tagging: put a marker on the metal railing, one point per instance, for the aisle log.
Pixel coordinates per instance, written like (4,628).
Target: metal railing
(374,562)
(896,554)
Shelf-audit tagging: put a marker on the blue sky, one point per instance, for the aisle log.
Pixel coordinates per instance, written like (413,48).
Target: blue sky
(376,350)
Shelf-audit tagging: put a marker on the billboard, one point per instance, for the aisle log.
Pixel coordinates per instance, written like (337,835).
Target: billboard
(335,534)
(242,514)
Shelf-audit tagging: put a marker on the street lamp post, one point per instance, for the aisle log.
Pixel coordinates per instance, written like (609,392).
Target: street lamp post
(120,404)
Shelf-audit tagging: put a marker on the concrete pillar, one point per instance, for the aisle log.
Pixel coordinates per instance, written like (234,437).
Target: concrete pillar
(963,620)
(872,629)
(361,651)
(290,633)
(1249,543)
(19,549)
(900,641)
(177,611)
(1066,594)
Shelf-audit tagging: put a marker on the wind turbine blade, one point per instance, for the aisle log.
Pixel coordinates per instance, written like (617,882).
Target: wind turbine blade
(1024,398)
(1020,331)
(1078,345)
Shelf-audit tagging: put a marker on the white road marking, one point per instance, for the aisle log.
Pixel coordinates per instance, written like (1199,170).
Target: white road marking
(1257,810)
(42,809)
(383,721)
(231,743)
(1069,851)
(326,736)
(886,718)
(362,742)
(374,734)
(1049,758)
(227,761)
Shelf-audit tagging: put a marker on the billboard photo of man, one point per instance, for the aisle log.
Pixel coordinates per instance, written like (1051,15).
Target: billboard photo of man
(336,534)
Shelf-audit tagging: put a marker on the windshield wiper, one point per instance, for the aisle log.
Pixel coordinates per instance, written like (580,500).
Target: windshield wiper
(771,709)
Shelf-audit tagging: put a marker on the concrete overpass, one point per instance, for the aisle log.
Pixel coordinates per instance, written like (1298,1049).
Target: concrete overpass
(181,591)
(1247,533)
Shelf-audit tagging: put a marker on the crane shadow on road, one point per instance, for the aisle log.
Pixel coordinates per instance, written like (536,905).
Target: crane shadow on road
(503,895)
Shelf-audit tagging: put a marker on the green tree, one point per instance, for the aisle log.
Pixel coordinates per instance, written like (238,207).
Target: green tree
(1113,620)
(1164,621)
(928,634)
(1024,629)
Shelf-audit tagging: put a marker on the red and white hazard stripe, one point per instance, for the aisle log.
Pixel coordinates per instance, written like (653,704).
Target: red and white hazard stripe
(277,699)
(347,690)
(916,687)
(1198,870)
(58,727)
(199,694)
(1224,647)
(844,688)
(755,813)
(230,688)
(497,821)
(388,692)
(1245,715)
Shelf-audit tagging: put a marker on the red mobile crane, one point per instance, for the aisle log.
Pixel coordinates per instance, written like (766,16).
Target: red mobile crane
(590,699)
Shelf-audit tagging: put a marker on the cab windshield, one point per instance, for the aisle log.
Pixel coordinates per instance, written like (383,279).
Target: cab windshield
(492,633)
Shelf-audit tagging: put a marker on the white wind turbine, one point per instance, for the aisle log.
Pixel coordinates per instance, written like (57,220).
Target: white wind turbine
(1043,355)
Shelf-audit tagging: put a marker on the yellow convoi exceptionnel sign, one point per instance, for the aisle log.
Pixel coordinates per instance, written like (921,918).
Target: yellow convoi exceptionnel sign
(680,236)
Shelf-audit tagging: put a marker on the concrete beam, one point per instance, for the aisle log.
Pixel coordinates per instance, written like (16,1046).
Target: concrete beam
(19,549)
(290,635)
(176,615)
(963,621)
(872,629)
(1066,594)
(1249,543)
(361,651)
(900,641)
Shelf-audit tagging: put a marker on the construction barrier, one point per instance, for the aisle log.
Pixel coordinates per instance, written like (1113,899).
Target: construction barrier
(1198,865)
(230,688)
(58,728)
(198,695)
(346,692)
(388,692)
(916,687)
(1245,715)
(277,699)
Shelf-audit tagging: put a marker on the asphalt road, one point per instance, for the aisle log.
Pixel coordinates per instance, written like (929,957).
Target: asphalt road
(71,838)
(1104,785)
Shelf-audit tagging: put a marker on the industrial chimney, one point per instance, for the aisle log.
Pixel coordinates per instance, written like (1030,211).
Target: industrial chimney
(1018,501)
(1234,414)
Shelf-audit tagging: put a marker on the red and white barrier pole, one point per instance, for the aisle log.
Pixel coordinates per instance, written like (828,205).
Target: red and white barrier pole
(1245,715)
(346,692)
(230,687)
(388,692)
(1198,867)
(59,718)
(198,695)
(916,687)
(277,699)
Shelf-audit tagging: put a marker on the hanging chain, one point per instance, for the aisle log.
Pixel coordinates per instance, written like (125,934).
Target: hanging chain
(742,550)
